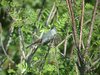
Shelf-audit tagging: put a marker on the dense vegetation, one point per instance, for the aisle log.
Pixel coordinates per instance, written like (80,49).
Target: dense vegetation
(49,37)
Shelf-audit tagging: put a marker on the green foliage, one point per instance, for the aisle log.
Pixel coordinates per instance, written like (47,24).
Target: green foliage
(26,16)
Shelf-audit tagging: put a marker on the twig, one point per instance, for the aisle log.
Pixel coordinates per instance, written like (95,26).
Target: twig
(10,37)
(45,57)
(2,60)
(87,22)
(60,43)
(52,14)
(31,53)
(35,42)
(34,63)
(95,62)
(65,44)
(65,47)
(93,65)
(76,69)
(40,12)
(68,6)
(63,41)
(83,45)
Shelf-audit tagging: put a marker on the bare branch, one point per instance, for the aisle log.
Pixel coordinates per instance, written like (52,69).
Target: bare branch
(52,14)
(31,53)
(80,57)
(87,22)
(91,27)
(81,25)
(3,48)
(83,45)
(73,22)
(21,42)
(65,44)
(10,37)
(40,12)
(65,47)
(96,62)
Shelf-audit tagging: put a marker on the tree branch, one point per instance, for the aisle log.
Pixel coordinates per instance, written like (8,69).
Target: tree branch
(73,22)
(91,27)
(3,48)
(21,41)
(81,25)
(52,14)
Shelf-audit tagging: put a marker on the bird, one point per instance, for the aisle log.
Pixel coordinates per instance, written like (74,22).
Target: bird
(46,37)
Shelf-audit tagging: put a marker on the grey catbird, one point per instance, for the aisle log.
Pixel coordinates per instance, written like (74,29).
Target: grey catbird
(46,37)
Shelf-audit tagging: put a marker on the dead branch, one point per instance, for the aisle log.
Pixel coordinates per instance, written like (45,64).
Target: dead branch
(31,53)
(21,42)
(91,27)
(81,25)
(73,22)
(52,14)
(40,12)
(65,41)
(3,48)
(80,62)
(96,62)
(9,37)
